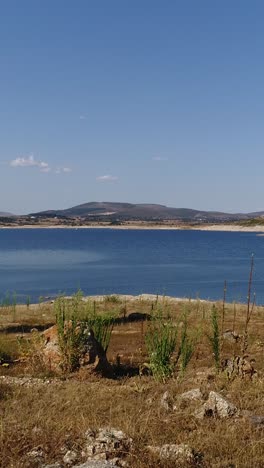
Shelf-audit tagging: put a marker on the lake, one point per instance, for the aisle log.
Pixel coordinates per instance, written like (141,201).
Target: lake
(46,262)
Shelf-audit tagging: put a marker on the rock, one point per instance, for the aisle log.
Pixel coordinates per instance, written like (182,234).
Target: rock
(239,367)
(52,465)
(36,455)
(27,381)
(231,336)
(95,464)
(106,447)
(216,406)
(206,375)
(166,401)
(193,395)
(51,352)
(256,420)
(106,444)
(70,457)
(91,355)
(36,430)
(179,453)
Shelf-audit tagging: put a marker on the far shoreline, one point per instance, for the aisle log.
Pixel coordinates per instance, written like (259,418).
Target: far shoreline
(161,227)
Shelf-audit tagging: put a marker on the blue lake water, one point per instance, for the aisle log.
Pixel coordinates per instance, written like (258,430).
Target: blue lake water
(45,262)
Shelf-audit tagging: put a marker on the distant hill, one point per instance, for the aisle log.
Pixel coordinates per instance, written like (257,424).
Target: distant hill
(130,211)
(3,214)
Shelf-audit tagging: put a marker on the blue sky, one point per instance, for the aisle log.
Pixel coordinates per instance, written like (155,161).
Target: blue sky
(138,101)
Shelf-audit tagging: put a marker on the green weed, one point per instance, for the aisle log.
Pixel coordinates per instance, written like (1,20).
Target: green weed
(214,339)
(161,340)
(75,319)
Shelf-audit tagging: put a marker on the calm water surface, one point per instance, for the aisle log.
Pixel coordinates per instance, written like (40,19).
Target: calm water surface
(45,262)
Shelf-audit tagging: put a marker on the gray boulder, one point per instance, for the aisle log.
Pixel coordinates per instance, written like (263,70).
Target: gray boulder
(106,444)
(216,406)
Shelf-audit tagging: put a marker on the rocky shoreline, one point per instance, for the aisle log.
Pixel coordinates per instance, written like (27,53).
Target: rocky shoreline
(153,227)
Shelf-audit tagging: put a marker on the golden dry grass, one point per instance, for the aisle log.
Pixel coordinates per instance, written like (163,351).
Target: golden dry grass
(53,415)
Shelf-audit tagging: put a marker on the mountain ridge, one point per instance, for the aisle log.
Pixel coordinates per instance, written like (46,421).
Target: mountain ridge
(143,211)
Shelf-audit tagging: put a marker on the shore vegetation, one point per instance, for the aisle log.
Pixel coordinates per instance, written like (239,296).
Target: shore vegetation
(155,346)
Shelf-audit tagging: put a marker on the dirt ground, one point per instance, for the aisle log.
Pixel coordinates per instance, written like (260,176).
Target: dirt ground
(51,412)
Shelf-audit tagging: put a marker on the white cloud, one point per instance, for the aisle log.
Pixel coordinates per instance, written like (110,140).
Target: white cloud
(43,165)
(24,162)
(82,117)
(106,178)
(45,169)
(65,170)
(30,161)
(159,158)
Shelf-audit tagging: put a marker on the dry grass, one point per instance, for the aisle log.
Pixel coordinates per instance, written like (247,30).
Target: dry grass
(58,414)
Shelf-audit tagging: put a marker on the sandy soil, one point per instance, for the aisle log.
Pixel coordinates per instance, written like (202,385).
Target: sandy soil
(229,227)
(207,227)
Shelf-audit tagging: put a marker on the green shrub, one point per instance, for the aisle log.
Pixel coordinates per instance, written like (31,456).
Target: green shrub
(187,346)
(112,299)
(70,339)
(8,349)
(165,351)
(75,318)
(161,340)
(102,326)
(215,337)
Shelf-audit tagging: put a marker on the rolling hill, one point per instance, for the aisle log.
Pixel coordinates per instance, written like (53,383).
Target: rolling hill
(130,211)
(4,214)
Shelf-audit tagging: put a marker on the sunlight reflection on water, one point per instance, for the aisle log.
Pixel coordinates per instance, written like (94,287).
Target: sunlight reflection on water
(47,258)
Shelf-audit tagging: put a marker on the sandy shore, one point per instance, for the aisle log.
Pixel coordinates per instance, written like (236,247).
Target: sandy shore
(230,228)
(180,227)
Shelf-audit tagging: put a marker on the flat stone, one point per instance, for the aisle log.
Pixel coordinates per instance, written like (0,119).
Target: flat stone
(179,453)
(194,394)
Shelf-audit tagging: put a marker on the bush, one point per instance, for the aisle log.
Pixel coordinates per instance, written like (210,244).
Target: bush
(75,319)
(162,343)
(161,339)
(187,346)
(215,337)
(102,326)
(112,299)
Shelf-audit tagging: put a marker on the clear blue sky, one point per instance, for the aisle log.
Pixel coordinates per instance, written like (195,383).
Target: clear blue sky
(155,101)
